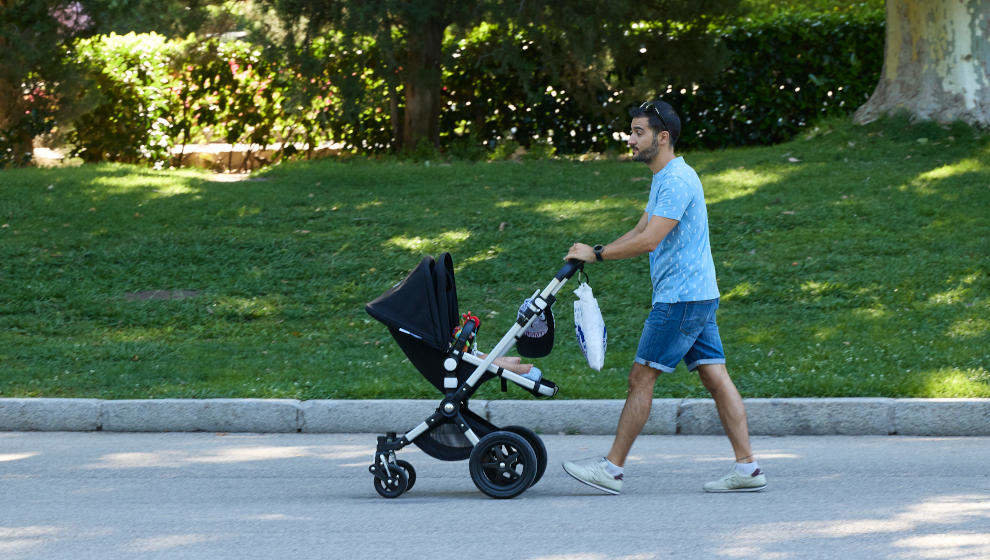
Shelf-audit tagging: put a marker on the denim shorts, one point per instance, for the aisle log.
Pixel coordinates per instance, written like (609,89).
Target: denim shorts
(681,331)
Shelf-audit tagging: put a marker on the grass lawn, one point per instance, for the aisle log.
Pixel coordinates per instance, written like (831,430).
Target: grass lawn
(852,261)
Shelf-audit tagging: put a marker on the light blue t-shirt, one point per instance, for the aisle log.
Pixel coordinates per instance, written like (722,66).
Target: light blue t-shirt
(681,266)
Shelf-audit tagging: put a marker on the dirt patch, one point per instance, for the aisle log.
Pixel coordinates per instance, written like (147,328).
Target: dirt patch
(160,295)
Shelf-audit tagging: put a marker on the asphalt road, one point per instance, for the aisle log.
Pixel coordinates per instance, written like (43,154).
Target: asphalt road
(273,496)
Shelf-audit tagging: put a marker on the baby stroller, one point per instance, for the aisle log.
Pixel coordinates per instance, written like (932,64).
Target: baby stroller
(421,313)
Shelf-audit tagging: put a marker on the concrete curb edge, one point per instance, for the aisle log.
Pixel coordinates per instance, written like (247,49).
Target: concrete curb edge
(771,417)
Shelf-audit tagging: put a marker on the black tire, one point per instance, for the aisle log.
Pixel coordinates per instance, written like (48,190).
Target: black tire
(399,483)
(410,472)
(538,447)
(503,464)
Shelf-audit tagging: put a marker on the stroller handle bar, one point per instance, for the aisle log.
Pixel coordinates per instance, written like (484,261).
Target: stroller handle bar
(568,270)
(544,300)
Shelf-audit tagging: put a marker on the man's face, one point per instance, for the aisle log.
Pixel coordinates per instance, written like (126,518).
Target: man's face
(643,142)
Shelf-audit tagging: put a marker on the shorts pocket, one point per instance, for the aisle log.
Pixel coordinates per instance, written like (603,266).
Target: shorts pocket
(659,314)
(694,319)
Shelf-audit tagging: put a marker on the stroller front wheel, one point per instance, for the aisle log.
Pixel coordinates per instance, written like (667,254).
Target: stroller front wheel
(395,485)
(503,464)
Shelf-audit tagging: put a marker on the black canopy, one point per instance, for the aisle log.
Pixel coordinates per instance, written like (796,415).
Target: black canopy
(424,305)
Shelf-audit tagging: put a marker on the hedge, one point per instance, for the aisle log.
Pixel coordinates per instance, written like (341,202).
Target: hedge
(151,94)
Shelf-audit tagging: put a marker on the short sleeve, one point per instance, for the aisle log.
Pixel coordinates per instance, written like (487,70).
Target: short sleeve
(671,199)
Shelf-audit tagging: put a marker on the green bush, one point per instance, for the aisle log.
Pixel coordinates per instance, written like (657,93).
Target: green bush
(780,74)
(150,94)
(129,98)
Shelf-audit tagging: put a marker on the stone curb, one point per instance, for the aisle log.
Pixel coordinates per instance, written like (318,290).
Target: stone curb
(771,417)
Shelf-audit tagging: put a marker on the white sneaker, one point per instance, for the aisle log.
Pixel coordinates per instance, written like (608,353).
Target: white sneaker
(592,472)
(735,482)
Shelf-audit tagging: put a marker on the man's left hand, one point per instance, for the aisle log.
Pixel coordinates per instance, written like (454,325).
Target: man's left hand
(581,252)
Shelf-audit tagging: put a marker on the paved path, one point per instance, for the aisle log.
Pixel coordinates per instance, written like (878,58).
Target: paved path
(94,495)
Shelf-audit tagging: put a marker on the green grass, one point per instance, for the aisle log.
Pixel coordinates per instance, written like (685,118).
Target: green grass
(852,262)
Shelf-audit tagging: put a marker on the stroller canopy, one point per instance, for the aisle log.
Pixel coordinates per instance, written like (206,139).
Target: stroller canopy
(424,305)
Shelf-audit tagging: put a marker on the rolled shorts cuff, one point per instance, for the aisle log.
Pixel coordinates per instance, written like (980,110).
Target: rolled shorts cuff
(654,365)
(694,365)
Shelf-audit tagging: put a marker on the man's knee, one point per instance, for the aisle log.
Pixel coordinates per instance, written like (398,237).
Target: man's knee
(642,377)
(713,376)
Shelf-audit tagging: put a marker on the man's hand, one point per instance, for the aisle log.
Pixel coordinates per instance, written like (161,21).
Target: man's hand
(581,252)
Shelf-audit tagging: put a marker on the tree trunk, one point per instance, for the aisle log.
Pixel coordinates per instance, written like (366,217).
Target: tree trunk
(936,62)
(423,83)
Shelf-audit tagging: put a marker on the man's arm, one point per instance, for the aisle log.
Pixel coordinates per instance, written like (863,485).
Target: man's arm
(638,228)
(632,244)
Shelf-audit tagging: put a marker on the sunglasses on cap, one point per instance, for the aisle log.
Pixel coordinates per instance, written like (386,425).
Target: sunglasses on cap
(652,105)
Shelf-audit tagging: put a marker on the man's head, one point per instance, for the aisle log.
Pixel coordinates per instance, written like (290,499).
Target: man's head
(655,127)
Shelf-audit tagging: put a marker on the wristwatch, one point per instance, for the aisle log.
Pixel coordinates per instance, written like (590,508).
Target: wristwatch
(598,252)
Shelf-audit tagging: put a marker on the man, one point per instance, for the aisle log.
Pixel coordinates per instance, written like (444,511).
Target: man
(681,325)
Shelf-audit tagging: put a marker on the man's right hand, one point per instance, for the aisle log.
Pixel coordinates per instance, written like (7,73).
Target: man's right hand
(581,252)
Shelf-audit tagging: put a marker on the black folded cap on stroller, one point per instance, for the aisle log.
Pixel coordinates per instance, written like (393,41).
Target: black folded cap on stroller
(537,340)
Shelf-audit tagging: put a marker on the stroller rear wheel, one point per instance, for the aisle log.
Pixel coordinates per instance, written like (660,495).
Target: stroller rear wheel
(503,464)
(538,447)
(395,485)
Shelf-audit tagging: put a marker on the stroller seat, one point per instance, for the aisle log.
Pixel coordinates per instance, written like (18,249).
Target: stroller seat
(421,313)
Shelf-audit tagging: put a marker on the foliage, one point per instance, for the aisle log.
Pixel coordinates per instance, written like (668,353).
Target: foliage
(851,262)
(37,80)
(573,38)
(151,94)
(131,95)
(782,75)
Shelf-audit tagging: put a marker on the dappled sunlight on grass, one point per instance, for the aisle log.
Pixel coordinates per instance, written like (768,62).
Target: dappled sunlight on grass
(740,182)
(953,382)
(149,186)
(446,241)
(969,328)
(968,165)
(740,290)
(487,255)
(964,289)
(245,308)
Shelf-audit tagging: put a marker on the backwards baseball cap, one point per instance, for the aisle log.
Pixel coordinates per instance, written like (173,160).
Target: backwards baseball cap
(537,340)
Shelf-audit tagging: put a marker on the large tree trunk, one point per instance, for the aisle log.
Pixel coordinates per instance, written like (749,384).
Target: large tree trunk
(936,62)
(423,85)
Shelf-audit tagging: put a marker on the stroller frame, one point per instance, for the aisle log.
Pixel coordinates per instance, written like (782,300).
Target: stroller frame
(512,448)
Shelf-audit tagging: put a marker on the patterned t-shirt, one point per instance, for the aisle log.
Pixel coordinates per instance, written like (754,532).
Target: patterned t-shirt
(681,266)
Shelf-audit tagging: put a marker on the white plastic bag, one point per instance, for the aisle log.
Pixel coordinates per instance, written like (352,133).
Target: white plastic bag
(590,327)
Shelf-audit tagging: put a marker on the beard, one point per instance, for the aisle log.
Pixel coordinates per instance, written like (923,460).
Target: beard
(647,155)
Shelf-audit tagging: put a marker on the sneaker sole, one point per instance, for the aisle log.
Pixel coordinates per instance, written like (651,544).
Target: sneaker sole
(754,489)
(592,484)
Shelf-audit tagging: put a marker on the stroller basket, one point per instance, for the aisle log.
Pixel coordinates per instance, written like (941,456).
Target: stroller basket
(421,312)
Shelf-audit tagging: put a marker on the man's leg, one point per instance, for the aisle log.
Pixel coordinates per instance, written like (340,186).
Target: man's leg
(730,407)
(635,412)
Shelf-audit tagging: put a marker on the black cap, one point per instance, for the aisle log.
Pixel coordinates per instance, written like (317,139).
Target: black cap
(537,340)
